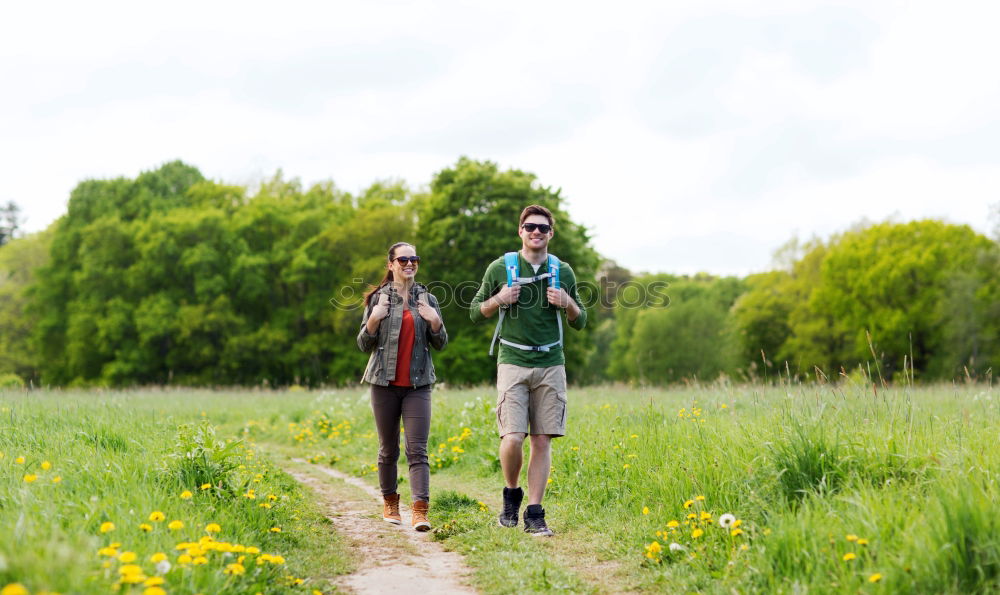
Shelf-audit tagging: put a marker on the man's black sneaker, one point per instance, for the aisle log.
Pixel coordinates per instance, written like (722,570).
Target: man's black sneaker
(534,521)
(511,505)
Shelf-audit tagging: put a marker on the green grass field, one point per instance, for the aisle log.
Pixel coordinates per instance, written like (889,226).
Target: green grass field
(831,489)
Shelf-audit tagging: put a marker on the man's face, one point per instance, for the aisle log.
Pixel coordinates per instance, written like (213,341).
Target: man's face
(536,239)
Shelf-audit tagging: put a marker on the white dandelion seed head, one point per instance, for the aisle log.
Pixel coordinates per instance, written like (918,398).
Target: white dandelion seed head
(163,567)
(676,547)
(726,520)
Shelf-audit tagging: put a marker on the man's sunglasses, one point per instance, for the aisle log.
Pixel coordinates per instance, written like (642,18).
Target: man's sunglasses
(542,227)
(406,259)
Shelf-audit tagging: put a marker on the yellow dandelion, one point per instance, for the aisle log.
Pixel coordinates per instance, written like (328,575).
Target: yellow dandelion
(250,495)
(736,532)
(235,569)
(253,550)
(157,517)
(107,527)
(186,495)
(875,578)
(130,569)
(744,547)
(175,525)
(275,529)
(184,559)
(697,533)
(108,551)
(46,465)
(645,510)
(145,527)
(862,541)
(157,557)
(848,557)
(700,498)
(626,466)
(851,537)
(14,589)
(200,561)
(154,581)
(705,516)
(673,524)
(127,557)
(19,460)
(30,478)
(212,528)
(689,504)
(56,479)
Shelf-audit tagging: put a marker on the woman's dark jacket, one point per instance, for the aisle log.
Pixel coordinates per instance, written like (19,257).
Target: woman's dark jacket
(384,346)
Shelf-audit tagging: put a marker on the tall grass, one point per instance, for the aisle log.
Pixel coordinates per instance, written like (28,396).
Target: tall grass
(837,488)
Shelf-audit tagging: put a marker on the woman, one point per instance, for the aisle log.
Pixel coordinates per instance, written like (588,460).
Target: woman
(401,318)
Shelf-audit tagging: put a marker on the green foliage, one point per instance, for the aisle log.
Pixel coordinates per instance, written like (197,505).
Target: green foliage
(171,279)
(469,219)
(200,457)
(19,262)
(923,294)
(808,462)
(8,381)
(682,335)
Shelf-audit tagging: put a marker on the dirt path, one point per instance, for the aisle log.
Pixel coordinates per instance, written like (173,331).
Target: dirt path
(392,559)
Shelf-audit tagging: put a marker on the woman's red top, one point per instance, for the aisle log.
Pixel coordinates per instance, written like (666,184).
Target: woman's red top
(406,336)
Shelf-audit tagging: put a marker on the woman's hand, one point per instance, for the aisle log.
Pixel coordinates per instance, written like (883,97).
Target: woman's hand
(378,314)
(428,313)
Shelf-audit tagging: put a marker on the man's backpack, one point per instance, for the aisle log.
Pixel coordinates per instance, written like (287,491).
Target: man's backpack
(512,266)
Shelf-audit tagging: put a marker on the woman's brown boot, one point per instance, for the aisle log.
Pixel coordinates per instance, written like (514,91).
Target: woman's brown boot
(420,522)
(390,509)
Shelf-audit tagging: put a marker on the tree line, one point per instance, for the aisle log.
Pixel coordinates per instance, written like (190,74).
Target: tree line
(170,278)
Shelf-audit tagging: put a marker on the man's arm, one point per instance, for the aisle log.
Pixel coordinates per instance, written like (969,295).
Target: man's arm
(486,304)
(576,314)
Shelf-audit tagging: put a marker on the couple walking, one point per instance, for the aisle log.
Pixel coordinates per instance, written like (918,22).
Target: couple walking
(527,291)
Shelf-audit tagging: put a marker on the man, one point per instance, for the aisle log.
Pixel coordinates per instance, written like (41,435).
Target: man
(531,371)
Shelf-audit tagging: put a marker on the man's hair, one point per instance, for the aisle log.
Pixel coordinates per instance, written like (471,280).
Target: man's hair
(537,210)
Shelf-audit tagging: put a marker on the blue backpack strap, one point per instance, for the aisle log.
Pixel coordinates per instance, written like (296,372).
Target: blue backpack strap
(553,271)
(512,266)
(554,282)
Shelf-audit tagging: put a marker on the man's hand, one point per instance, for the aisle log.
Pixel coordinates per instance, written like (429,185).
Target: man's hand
(508,295)
(561,299)
(558,297)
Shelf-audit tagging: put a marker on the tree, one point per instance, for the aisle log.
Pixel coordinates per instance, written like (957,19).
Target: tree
(470,219)
(10,221)
(681,334)
(891,282)
(19,261)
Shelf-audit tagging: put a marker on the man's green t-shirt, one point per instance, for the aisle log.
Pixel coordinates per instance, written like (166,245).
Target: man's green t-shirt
(532,320)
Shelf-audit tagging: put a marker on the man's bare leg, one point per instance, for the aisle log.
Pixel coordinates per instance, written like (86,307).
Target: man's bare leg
(539,466)
(512,458)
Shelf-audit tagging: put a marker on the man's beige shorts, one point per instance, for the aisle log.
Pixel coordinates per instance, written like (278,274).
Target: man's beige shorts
(531,400)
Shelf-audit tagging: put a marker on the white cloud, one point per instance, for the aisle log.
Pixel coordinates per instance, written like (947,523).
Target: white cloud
(692,137)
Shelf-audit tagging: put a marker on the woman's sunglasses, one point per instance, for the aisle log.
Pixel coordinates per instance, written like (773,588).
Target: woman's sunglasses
(406,259)
(542,227)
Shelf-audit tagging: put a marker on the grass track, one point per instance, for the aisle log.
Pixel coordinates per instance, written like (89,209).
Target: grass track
(902,480)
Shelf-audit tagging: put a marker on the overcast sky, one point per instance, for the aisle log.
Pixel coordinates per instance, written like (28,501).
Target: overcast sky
(688,136)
